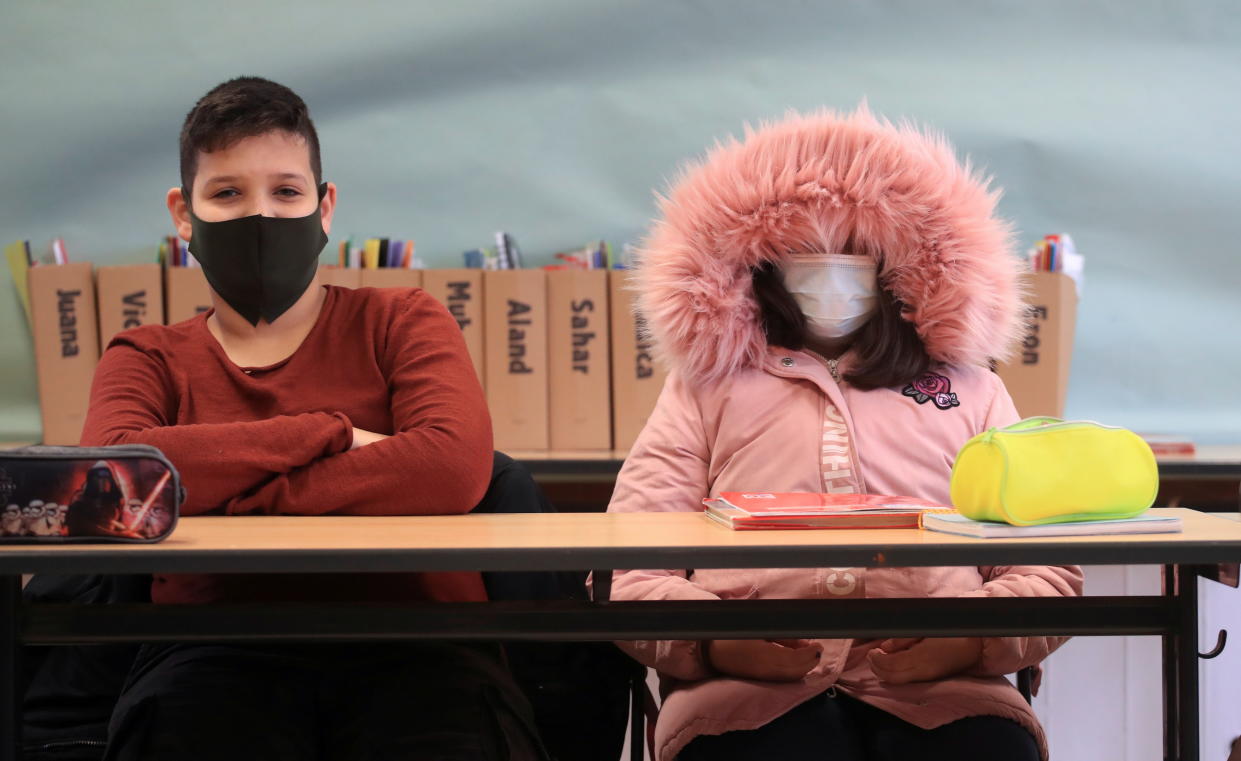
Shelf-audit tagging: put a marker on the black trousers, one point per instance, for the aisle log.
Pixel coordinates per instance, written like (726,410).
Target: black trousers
(441,701)
(835,727)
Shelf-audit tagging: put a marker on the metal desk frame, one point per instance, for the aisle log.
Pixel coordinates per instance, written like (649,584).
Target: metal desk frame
(1172,615)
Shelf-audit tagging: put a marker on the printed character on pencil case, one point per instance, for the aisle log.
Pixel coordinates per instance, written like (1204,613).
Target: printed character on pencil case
(80,499)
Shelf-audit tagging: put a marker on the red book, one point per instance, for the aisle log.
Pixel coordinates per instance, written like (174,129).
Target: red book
(803,510)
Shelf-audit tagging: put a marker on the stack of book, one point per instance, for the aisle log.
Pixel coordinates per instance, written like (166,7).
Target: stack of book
(806,510)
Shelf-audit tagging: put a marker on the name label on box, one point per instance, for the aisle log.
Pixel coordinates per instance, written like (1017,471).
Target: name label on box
(582,334)
(1029,353)
(458,299)
(135,309)
(517,338)
(644,362)
(66,305)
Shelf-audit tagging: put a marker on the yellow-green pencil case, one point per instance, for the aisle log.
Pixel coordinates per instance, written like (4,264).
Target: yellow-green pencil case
(1048,470)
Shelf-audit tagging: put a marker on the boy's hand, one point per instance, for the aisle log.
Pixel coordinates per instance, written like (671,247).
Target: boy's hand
(361,438)
(773,661)
(901,661)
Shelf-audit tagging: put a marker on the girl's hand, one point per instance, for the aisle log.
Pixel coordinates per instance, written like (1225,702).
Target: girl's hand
(901,661)
(361,438)
(773,661)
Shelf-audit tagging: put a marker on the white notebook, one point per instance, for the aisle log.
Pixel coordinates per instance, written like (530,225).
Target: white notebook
(955,523)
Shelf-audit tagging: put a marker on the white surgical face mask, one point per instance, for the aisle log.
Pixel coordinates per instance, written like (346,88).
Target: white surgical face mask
(836,292)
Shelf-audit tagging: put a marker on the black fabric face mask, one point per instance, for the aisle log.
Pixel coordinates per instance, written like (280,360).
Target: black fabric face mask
(259,265)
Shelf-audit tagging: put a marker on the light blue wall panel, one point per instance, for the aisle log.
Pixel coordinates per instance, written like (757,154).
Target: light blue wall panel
(1116,121)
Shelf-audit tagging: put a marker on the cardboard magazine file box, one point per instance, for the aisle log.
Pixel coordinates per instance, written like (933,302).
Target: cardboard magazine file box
(186,293)
(1038,375)
(129,296)
(461,291)
(579,367)
(515,324)
(391,277)
(66,346)
(345,277)
(636,379)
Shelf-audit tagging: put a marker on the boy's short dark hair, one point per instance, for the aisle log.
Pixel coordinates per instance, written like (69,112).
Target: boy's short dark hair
(888,349)
(241,108)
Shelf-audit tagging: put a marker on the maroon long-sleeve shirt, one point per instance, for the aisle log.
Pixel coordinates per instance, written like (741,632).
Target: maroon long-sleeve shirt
(275,439)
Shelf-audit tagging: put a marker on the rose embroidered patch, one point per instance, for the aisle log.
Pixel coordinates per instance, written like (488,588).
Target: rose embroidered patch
(932,387)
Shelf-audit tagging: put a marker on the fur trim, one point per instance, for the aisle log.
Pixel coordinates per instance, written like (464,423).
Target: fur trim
(813,183)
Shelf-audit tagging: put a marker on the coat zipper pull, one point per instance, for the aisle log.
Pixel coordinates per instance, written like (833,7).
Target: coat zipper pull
(831,366)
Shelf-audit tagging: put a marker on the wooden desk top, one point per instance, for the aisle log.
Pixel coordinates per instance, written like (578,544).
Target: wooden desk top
(582,541)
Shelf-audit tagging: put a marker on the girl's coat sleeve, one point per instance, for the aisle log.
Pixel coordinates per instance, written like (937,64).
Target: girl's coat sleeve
(667,469)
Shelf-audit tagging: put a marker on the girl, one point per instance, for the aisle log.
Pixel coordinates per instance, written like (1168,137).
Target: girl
(828,294)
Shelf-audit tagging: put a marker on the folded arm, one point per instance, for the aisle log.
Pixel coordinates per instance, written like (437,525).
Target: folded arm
(438,459)
(1007,655)
(132,402)
(666,470)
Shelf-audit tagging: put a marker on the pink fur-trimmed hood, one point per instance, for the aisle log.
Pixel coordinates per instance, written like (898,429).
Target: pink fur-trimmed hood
(811,183)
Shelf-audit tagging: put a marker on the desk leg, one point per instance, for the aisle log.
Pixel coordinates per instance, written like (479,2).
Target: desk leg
(1180,666)
(1187,660)
(10,683)
(1171,663)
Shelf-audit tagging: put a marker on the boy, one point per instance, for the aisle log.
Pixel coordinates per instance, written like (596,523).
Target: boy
(292,398)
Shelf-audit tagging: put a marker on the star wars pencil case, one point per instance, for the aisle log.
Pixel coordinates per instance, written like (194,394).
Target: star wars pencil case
(128,493)
(1048,470)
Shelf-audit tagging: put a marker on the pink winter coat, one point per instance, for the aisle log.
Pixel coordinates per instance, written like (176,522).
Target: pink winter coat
(766,431)
(739,415)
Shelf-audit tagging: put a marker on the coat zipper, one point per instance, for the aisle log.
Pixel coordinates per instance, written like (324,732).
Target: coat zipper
(821,573)
(831,364)
(853,457)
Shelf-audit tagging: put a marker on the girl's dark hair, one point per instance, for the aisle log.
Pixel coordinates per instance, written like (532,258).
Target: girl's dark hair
(241,108)
(888,349)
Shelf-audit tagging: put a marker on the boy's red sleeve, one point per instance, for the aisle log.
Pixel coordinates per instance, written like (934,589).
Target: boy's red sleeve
(439,458)
(132,403)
